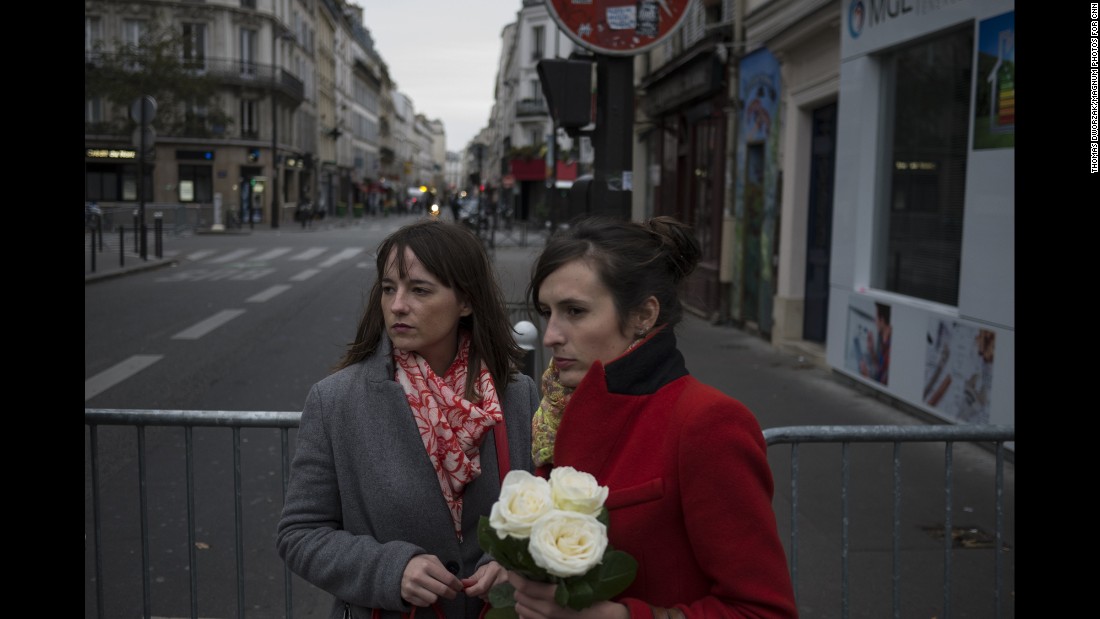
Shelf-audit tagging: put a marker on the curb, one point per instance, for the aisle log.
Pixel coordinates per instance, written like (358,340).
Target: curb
(119,272)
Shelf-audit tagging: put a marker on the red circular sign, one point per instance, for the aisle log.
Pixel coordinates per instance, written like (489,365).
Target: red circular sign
(618,27)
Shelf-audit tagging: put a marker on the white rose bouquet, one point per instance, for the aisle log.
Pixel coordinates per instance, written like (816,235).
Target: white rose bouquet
(554,531)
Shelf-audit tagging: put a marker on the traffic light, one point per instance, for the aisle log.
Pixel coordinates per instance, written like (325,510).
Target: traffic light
(475,178)
(482,188)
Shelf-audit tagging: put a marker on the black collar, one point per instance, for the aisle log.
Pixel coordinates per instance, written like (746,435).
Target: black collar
(652,365)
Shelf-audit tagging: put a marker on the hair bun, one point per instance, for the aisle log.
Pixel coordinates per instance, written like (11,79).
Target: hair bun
(678,242)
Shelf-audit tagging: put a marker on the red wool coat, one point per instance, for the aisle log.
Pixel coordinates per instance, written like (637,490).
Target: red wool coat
(690,486)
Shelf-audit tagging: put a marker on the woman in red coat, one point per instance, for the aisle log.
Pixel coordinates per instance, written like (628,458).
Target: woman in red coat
(686,465)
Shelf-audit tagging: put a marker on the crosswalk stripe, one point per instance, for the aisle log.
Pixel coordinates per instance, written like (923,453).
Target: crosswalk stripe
(117,373)
(208,325)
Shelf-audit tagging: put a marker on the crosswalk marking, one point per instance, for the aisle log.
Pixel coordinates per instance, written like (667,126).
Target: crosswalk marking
(206,326)
(304,275)
(309,254)
(200,255)
(345,254)
(268,294)
(272,254)
(233,255)
(116,374)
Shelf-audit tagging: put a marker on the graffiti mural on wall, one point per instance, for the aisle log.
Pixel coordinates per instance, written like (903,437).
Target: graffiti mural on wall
(757,183)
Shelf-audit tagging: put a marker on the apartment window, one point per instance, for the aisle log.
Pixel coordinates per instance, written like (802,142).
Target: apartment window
(93,110)
(93,33)
(536,90)
(194,45)
(248,4)
(132,31)
(250,127)
(538,42)
(196,183)
(919,235)
(248,52)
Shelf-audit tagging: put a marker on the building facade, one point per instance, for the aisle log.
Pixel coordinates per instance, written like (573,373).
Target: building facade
(300,111)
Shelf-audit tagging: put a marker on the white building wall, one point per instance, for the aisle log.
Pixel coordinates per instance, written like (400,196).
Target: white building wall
(987,270)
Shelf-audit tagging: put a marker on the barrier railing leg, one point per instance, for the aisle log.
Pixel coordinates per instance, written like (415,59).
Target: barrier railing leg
(92,248)
(122,246)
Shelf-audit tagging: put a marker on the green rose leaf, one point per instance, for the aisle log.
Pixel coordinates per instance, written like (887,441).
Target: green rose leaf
(605,517)
(510,552)
(577,594)
(502,595)
(615,574)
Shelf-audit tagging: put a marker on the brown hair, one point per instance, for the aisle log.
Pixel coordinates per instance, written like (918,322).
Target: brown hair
(633,260)
(456,257)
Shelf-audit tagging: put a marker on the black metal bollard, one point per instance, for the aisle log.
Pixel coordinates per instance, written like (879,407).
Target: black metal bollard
(92,248)
(158,236)
(144,243)
(121,246)
(137,247)
(98,232)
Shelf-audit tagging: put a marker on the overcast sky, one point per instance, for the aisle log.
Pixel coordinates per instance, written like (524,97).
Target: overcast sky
(443,54)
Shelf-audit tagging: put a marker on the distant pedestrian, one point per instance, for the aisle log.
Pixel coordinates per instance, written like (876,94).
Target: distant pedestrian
(456,207)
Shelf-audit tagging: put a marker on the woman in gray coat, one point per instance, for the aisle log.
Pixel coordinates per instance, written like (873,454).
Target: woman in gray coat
(400,450)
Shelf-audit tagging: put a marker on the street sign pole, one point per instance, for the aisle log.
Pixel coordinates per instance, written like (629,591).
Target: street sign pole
(143,110)
(627,28)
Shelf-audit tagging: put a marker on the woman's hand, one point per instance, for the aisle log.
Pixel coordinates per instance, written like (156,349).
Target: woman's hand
(535,600)
(485,578)
(425,580)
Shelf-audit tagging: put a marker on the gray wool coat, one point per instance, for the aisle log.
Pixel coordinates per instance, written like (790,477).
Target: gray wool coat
(363,497)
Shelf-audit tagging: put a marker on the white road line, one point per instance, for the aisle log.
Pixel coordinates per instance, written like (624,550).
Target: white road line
(199,255)
(274,253)
(114,375)
(343,255)
(268,294)
(208,325)
(309,253)
(233,255)
(304,275)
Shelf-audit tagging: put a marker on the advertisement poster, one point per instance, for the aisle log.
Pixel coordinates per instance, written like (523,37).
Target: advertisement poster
(869,335)
(995,101)
(958,370)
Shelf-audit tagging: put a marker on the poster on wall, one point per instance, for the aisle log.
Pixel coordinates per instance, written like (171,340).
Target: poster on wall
(958,370)
(869,335)
(995,100)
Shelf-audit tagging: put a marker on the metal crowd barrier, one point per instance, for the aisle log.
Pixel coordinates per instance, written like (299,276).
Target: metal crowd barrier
(949,435)
(795,436)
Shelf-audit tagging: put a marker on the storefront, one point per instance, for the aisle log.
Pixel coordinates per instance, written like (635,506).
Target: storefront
(922,298)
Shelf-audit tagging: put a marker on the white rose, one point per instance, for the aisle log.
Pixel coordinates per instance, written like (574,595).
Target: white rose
(567,543)
(576,491)
(523,499)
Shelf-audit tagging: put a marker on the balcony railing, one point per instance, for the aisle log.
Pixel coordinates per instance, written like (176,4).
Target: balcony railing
(231,71)
(531,107)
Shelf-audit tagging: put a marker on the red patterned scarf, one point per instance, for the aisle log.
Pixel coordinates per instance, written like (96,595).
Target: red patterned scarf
(450,425)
